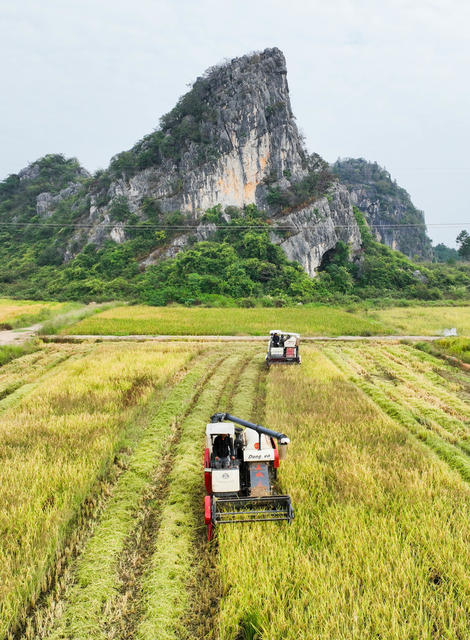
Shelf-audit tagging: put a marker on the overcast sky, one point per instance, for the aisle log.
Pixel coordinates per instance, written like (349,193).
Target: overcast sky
(387,81)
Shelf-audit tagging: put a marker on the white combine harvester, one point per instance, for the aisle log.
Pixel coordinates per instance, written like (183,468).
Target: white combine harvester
(241,486)
(283,347)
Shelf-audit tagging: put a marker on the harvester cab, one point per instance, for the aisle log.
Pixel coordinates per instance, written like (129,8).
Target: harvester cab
(240,486)
(283,347)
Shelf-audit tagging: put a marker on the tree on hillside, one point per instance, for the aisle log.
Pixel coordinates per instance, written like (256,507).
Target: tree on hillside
(463,242)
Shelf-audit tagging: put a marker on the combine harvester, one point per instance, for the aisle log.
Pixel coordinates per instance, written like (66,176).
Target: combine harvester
(239,481)
(283,347)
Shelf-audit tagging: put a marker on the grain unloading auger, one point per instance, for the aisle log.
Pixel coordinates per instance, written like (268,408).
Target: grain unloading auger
(240,467)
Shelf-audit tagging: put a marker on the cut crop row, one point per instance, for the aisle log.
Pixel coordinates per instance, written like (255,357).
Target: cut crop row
(429,411)
(165,586)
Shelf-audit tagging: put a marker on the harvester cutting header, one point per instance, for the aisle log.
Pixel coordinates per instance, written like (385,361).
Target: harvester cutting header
(240,467)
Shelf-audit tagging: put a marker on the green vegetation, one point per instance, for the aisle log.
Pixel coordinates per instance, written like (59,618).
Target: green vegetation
(463,240)
(239,265)
(383,273)
(306,190)
(442,253)
(241,262)
(10,352)
(458,348)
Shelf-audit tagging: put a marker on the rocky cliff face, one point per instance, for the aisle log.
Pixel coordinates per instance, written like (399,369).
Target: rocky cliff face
(232,140)
(315,229)
(385,204)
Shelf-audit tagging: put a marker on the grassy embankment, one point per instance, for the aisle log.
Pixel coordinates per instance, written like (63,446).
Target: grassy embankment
(56,442)
(142,320)
(379,546)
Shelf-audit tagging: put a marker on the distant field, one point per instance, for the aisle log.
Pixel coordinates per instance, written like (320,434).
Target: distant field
(19,313)
(425,321)
(141,320)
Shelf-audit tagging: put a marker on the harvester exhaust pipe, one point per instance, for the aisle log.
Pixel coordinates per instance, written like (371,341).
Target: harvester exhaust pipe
(280,437)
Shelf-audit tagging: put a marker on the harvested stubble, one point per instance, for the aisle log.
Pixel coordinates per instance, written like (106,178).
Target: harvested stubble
(55,445)
(380,544)
(165,585)
(205,585)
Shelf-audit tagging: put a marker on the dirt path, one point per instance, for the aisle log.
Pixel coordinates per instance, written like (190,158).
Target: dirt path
(210,338)
(20,336)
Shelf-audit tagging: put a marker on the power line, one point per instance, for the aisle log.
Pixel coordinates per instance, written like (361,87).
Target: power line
(105,225)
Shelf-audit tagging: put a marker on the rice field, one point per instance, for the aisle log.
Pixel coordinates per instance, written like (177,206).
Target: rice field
(19,313)
(101,495)
(425,321)
(312,321)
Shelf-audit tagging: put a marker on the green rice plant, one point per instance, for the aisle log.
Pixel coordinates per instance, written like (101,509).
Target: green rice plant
(378,547)
(55,444)
(131,320)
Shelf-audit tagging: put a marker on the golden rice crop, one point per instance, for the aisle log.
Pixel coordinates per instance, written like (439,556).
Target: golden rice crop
(20,375)
(379,546)
(143,320)
(98,584)
(55,444)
